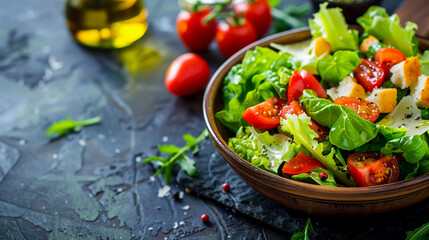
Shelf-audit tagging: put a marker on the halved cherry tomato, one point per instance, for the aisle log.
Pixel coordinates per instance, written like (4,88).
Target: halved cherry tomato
(370,169)
(301,163)
(231,37)
(366,109)
(257,12)
(301,80)
(295,108)
(387,57)
(195,34)
(187,75)
(369,74)
(265,115)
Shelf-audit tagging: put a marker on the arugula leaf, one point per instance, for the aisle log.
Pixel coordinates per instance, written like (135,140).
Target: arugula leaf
(420,233)
(177,154)
(330,24)
(314,175)
(304,136)
(376,22)
(304,235)
(65,126)
(335,68)
(347,129)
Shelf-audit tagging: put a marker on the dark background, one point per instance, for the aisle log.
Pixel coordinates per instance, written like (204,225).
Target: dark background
(92,184)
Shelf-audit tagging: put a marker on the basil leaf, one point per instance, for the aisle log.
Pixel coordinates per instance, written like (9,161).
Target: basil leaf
(420,233)
(347,129)
(413,148)
(335,68)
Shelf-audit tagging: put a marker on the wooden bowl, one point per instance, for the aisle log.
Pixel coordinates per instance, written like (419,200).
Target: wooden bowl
(313,199)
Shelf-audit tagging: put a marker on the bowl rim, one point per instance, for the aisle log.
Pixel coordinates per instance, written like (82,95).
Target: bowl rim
(347,192)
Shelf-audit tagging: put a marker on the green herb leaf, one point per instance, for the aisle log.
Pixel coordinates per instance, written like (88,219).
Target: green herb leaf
(304,235)
(314,175)
(177,154)
(424,61)
(63,127)
(421,233)
(335,68)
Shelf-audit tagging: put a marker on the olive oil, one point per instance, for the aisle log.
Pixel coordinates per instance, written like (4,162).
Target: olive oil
(106,23)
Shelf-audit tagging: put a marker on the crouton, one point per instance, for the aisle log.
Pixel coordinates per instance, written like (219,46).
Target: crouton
(420,92)
(385,98)
(406,73)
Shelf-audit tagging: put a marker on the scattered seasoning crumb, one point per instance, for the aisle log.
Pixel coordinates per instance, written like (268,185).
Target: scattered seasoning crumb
(158,207)
(152,179)
(175,225)
(117,150)
(186,207)
(181,194)
(150,229)
(54,156)
(226,187)
(22,142)
(205,218)
(182,223)
(188,190)
(176,196)
(408,115)
(119,190)
(164,191)
(82,142)
(417,118)
(165,139)
(138,159)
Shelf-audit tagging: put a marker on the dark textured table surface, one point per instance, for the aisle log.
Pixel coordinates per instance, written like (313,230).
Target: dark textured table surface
(92,184)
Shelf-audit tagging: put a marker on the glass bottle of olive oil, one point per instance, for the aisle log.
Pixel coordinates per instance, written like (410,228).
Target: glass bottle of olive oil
(106,23)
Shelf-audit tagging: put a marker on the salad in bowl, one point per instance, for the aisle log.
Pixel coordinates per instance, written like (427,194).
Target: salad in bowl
(344,108)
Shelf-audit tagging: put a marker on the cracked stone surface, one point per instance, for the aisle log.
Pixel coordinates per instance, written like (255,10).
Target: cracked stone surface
(92,184)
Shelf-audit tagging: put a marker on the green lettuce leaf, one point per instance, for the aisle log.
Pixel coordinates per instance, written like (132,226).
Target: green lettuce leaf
(331,25)
(347,129)
(420,233)
(262,149)
(314,175)
(260,77)
(377,22)
(424,61)
(413,148)
(334,68)
(304,136)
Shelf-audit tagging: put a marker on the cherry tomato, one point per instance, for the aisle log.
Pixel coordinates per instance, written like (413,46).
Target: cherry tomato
(232,37)
(257,12)
(301,80)
(366,109)
(194,33)
(301,163)
(264,115)
(369,169)
(295,108)
(387,57)
(369,74)
(187,75)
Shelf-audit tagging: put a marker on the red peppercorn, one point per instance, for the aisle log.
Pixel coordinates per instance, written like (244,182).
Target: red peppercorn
(226,187)
(205,218)
(323,176)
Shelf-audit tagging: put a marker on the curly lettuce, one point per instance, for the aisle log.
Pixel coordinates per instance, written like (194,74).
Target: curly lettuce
(378,23)
(263,150)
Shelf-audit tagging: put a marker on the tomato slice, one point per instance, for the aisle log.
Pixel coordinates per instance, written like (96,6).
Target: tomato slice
(264,115)
(295,108)
(301,163)
(301,80)
(387,57)
(365,109)
(372,168)
(369,74)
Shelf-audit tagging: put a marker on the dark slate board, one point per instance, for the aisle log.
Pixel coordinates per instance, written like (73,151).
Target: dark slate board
(214,171)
